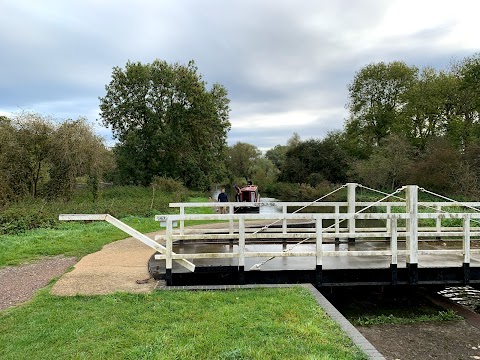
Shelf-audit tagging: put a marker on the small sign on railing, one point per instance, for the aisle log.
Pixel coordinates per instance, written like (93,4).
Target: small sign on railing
(163,221)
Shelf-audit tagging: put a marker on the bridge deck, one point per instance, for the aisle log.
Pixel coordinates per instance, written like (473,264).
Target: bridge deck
(433,269)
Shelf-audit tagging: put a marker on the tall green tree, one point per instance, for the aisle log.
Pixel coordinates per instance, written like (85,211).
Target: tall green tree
(377,101)
(430,107)
(167,123)
(464,129)
(241,158)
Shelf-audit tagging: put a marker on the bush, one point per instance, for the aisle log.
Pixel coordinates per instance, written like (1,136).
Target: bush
(118,201)
(168,185)
(304,192)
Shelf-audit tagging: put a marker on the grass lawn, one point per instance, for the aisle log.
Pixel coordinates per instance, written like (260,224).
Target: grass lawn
(75,238)
(70,238)
(283,323)
(243,324)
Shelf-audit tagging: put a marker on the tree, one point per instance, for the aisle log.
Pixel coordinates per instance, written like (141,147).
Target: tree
(12,174)
(429,110)
(464,129)
(77,151)
(167,123)
(38,157)
(314,161)
(241,158)
(264,172)
(35,135)
(377,101)
(388,167)
(278,153)
(441,169)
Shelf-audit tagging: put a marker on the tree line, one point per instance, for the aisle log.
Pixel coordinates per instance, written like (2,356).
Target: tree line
(42,158)
(405,125)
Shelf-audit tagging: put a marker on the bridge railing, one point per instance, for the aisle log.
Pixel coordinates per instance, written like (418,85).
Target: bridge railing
(389,207)
(242,234)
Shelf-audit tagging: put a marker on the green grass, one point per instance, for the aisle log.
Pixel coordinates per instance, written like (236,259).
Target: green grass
(75,238)
(243,324)
(70,239)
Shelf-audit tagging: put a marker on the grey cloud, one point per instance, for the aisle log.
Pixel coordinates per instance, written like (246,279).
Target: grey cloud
(272,56)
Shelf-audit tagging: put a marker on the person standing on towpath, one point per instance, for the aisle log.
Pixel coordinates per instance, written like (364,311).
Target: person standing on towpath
(223,197)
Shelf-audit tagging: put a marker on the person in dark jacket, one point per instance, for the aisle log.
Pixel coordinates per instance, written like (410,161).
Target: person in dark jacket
(223,197)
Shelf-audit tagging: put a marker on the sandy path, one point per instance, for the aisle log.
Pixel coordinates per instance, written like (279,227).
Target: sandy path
(116,267)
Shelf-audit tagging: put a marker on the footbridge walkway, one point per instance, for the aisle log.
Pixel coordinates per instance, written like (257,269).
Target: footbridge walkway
(393,241)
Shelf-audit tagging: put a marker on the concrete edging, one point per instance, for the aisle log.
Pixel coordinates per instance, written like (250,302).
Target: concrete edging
(355,335)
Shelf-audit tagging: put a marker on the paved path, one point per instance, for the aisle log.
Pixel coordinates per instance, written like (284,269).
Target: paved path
(116,267)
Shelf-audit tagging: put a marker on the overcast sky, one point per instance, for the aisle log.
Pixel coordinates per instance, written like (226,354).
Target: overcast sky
(285,64)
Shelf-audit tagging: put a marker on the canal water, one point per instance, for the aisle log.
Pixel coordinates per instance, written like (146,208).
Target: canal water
(463,295)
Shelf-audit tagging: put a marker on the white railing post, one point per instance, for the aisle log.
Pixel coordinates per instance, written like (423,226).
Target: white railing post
(412,232)
(466,249)
(337,219)
(393,239)
(466,239)
(389,211)
(439,220)
(182,222)
(241,244)
(351,209)
(169,251)
(319,250)
(230,222)
(393,247)
(284,222)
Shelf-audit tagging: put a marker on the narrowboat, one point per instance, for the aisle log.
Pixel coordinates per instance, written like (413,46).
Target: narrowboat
(248,193)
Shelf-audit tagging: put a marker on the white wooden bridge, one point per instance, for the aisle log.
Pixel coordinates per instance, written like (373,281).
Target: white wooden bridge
(407,242)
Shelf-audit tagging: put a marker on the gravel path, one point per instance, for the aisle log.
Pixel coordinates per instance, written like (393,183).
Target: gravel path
(19,283)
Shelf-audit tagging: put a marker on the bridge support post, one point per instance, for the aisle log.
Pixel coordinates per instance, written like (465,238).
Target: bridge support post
(319,251)
(412,233)
(394,272)
(318,276)
(241,275)
(351,209)
(466,249)
(466,274)
(168,253)
(392,222)
(168,277)
(241,250)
